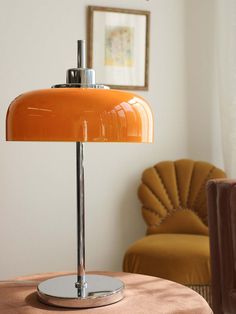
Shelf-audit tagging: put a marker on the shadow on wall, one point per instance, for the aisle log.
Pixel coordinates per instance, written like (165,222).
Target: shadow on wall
(130,216)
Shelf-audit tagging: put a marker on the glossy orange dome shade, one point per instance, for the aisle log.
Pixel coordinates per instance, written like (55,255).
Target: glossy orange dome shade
(79,115)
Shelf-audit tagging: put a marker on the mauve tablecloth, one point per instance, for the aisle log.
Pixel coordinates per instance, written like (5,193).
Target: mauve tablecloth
(143,295)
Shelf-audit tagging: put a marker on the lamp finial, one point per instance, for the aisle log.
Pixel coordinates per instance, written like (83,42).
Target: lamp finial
(81,75)
(81,60)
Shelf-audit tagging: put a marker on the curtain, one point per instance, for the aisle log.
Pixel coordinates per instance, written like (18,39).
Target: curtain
(225,44)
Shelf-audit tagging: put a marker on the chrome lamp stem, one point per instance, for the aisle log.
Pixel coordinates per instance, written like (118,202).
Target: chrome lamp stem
(81,281)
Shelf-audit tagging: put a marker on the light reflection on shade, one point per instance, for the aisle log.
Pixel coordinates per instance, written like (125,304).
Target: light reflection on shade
(79,115)
(144,111)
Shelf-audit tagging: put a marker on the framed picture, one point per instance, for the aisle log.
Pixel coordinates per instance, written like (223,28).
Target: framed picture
(118,47)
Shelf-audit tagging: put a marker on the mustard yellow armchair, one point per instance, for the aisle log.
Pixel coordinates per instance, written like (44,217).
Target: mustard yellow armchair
(175,209)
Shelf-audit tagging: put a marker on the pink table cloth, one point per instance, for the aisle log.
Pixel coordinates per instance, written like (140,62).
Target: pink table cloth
(143,295)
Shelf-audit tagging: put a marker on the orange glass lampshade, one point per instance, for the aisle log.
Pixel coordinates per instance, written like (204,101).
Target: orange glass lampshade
(79,115)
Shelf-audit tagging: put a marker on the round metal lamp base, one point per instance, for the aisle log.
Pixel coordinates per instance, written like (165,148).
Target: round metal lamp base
(99,291)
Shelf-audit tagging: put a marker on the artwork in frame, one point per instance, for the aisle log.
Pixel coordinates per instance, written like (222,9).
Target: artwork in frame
(118,46)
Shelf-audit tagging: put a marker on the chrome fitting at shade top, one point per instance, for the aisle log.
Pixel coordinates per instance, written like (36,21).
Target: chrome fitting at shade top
(80,76)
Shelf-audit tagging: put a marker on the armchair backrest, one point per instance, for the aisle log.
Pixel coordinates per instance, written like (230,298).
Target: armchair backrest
(222,229)
(173,196)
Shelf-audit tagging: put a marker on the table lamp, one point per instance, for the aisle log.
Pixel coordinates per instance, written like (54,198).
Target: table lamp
(80,111)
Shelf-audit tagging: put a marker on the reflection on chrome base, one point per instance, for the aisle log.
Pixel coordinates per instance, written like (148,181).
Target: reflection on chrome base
(99,291)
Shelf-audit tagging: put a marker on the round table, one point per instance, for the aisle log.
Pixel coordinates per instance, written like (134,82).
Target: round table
(143,295)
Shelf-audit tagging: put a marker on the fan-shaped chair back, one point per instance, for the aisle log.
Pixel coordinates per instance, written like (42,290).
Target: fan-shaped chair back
(173,196)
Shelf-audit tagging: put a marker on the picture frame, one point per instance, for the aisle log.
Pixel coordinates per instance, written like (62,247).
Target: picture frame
(118,46)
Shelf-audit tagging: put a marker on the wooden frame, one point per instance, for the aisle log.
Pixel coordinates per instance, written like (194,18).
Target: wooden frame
(119,50)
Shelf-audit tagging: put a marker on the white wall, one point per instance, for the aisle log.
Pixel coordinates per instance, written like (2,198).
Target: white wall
(37,180)
(203,120)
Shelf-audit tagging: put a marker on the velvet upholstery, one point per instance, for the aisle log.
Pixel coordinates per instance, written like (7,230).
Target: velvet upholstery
(174,208)
(154,255)
(142,295)
(173,186)
(222,225)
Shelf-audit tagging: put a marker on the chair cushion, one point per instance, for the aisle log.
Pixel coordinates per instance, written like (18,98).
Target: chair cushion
(180,221)
(183,258)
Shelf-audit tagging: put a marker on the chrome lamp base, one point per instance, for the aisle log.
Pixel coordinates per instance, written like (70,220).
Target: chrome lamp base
(99,291)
